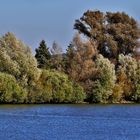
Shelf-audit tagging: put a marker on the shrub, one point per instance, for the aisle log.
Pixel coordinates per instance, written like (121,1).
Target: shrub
(55,87)
(10,91)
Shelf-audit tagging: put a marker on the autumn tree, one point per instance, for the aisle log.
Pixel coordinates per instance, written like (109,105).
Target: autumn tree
(128,75)
(79,62)
(114,33)
(43,55)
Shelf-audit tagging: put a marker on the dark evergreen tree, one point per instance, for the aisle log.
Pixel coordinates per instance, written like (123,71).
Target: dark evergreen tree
(43,55)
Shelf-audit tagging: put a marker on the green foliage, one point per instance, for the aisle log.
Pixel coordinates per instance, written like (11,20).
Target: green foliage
(117,95)
(136,94)
(131,69)
(55,87)
(78,93)
(111,35)
(105,82)
(98,94)
(10,91)
(41,86)
(16,59)
(43,55)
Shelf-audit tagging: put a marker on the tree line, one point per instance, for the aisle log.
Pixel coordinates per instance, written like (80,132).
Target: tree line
(99,65)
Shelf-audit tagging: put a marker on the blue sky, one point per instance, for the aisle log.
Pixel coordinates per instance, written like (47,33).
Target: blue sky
(34,20)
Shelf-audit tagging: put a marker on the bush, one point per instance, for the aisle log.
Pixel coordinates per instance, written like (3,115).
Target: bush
(55,87)
(10,91)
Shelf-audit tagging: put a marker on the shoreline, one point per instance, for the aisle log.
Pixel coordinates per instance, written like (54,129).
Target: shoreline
(81,103)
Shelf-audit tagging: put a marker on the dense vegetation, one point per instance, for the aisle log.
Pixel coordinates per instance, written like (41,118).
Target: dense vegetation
(99,65)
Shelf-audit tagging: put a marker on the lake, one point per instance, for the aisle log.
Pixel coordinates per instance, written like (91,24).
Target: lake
(69,122)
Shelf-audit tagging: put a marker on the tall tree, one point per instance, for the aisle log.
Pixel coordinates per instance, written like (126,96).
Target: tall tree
(16,59)
(43,55)
(79,62)
(129,77)
(57,57)
(80,65)
(56,49)
(114,33)
(105,82)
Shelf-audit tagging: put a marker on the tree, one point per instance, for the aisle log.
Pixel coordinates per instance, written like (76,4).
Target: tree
(80,54)
(43,55)
(105,80)
(128,75)
(16,59)
(55,87)
(57,57)
(79,63)
(114,33)
(56,49)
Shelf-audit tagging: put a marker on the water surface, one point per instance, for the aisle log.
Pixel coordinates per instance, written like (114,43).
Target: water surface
(69,122)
